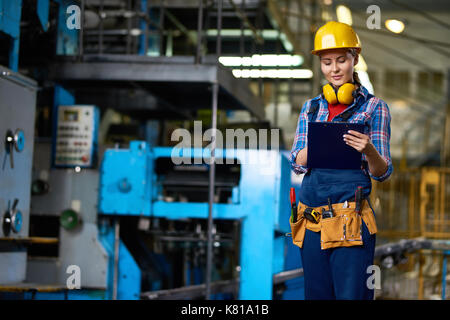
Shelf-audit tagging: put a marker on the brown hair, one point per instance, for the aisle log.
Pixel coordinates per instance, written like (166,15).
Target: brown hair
(354,52)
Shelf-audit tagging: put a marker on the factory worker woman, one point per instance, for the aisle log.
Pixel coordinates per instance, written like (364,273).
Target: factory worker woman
(338,250)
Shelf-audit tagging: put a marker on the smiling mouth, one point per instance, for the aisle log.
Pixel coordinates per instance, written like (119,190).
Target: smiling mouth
(336,77)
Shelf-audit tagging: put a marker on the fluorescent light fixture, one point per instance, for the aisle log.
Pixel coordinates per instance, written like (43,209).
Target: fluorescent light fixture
(264,60)
(266,34)
(135,32)
(395,26)
(344,14)
(273,73)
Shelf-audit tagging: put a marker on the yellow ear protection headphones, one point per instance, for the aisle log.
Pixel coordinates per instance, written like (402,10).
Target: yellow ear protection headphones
(345,94)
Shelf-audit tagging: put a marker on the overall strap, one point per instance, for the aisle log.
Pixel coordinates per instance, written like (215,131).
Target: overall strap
(313,110)
(347,114)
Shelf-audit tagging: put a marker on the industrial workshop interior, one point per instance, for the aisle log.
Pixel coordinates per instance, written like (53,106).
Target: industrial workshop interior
(147,146)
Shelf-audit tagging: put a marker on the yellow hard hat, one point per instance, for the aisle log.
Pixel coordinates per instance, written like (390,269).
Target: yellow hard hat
(335,35)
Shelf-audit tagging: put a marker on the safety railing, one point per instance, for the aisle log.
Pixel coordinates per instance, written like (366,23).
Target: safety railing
(414,203)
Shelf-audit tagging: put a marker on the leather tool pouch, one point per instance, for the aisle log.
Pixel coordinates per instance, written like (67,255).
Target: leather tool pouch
(345,229)
(369,219)
(298,229)
(342,230)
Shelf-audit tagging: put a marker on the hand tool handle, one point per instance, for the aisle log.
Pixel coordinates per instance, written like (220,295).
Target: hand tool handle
(292,195)
(358,198)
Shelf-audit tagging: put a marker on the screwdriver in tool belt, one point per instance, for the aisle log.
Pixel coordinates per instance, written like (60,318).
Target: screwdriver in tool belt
(358,199)
(293,206)
(328,213)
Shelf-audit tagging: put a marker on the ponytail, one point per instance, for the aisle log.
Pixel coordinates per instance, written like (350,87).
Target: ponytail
(356,78)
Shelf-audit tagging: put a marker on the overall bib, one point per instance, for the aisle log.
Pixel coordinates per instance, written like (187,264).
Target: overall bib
(340,272)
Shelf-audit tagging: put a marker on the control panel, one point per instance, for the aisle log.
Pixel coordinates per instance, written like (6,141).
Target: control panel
(75,139)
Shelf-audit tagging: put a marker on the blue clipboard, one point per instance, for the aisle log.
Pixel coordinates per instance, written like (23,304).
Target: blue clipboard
(327,148)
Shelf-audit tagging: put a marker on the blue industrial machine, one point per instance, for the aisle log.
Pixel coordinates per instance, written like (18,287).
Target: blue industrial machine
(142,226)
(17,109)
(10,17)
(143,181)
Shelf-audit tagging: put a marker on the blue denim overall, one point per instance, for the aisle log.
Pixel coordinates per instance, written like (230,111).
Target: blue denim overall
(335,273)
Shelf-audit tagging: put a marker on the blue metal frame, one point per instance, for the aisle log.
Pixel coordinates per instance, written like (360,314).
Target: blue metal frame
(10,15)
(144,26)
(127,188)
(42,12)
(129,274)
(445,254)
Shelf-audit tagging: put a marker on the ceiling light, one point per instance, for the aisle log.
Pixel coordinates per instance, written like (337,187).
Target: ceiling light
(135,32)
(263,60)
(395,26)
(344,14)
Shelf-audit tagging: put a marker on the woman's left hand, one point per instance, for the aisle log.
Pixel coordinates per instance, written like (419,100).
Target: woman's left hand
(359,141)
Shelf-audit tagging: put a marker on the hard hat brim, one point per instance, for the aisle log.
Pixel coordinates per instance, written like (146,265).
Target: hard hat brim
(316,52)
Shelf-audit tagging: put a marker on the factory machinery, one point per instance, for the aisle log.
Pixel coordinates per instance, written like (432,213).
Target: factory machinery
(136,226)
(83,220)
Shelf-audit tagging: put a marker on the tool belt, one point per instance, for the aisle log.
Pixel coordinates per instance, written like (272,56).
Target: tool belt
(342,230)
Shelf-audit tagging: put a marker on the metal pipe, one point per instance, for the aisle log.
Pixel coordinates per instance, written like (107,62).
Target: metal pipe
(244,18)
(259,26)
(363,28)
(444,274)
(212,169)
(276,87)
(116,257)
(219,28)
(445,147)
(241,38)
(422,13)
(100,30)
(80,38)
(143,45)
(199,32)
(128,49)
(161,28)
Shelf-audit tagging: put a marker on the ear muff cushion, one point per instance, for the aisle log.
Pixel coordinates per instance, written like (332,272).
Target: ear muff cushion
(345,93)
(329,94)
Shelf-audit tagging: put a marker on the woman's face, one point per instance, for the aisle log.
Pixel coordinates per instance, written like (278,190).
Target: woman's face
(337,66)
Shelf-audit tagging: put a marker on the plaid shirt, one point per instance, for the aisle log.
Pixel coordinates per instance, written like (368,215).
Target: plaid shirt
(373,112)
